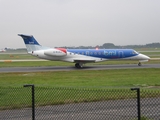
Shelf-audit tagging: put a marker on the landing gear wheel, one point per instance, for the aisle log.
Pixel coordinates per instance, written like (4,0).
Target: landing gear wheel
(78,65)
(139,64)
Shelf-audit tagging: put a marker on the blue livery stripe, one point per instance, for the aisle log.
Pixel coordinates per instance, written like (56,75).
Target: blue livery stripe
(105,53)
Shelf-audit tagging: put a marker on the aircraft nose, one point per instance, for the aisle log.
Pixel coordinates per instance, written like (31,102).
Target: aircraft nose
(144,57)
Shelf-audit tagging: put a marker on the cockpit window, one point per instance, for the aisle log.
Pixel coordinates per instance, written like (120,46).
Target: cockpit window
(134,52)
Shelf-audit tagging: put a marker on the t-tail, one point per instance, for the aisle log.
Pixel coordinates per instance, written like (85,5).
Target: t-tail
(31,43)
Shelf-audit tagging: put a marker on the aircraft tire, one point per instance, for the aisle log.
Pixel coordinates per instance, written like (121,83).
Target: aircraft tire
(77,65)
(139,64)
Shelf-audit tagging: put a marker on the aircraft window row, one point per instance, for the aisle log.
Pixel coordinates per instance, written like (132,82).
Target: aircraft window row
(88,53)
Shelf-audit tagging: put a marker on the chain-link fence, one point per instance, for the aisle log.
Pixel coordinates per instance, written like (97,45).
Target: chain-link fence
(59,103)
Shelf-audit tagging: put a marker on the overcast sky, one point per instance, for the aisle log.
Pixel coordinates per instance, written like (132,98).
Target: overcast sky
(80,22)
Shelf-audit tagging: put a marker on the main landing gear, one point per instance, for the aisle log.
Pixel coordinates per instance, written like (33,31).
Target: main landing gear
(139,64)
(78,65)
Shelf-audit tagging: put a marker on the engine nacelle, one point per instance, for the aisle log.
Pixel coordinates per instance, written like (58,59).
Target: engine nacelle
(56,52)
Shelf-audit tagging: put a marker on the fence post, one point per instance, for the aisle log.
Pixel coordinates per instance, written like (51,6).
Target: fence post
(138,102)
(33,100)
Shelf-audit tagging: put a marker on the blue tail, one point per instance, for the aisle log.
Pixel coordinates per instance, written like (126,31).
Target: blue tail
(29,39)
(31,43)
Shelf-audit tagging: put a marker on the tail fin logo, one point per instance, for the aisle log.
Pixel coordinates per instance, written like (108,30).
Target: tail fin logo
(31,42)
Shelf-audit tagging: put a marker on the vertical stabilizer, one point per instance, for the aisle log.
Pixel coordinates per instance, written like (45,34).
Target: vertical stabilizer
(31,43)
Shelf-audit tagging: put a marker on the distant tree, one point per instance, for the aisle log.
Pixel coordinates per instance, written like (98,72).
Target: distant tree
(153,45)
(112,46)
(108,45)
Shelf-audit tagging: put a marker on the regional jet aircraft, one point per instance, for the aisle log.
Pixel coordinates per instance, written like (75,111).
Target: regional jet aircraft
(80,56)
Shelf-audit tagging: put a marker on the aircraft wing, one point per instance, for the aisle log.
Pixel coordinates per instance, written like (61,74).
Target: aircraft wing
(84,60)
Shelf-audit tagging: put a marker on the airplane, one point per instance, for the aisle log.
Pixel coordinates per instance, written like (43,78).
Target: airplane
(80,56)
(3,50)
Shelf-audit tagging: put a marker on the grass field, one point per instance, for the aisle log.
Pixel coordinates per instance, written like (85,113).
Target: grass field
(15,56)
(63,87)
(95,78)
(61,81)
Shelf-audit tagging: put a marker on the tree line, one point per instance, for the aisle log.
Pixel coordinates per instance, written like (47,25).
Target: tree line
(112,46)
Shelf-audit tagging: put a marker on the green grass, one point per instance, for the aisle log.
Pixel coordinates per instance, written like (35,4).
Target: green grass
(16,56)
(34,64)
(78,78)
(151,53)
(61,87)
(147,49)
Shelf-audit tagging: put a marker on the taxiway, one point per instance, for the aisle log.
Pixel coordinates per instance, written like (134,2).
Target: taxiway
(69,68)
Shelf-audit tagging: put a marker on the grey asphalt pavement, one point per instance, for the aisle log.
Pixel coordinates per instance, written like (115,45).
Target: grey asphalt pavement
(69,68)
(105,110)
